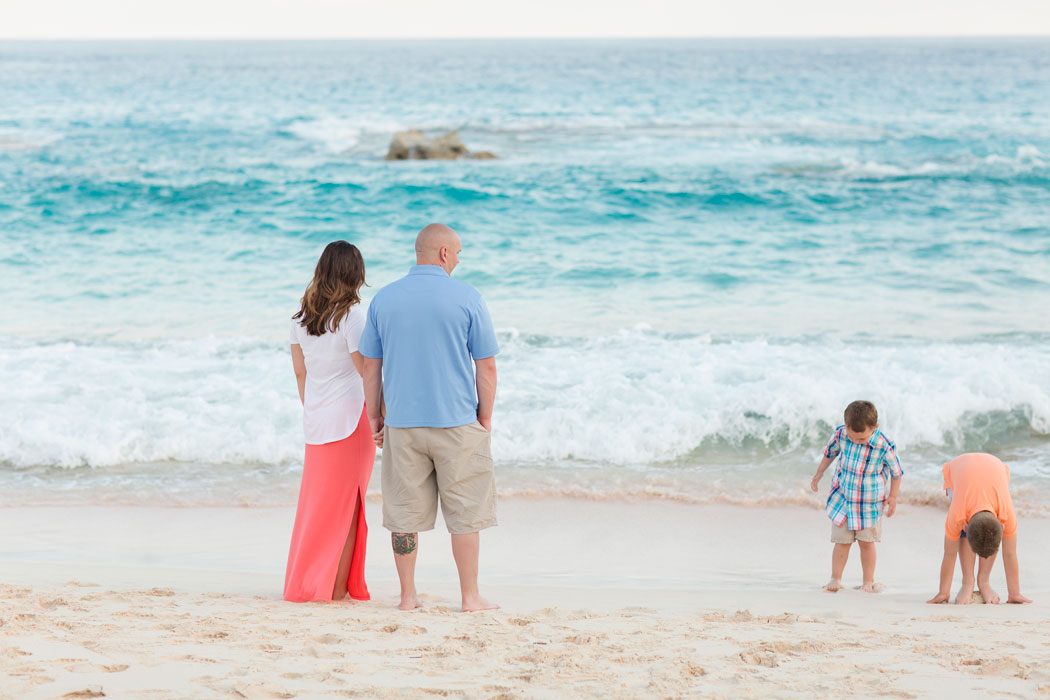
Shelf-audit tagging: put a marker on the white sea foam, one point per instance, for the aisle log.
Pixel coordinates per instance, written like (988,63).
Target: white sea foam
(1025,159)
(337,135)
(632,399)
(11,141)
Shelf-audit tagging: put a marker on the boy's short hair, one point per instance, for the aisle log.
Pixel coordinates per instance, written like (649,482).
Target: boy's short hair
(985,533)
(861,416)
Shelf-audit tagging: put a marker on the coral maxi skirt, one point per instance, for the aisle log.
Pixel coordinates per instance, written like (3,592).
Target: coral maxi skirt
(335,477)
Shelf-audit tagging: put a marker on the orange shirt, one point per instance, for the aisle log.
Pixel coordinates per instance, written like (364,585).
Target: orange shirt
(978,482)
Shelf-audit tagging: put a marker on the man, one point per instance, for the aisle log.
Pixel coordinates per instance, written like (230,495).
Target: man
(429,354)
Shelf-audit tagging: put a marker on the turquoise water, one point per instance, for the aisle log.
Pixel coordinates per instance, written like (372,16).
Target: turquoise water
(696,252)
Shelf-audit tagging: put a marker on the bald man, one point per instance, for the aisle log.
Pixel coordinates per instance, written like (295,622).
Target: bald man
(430,354)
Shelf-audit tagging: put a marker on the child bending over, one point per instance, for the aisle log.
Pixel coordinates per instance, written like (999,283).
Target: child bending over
(980,517)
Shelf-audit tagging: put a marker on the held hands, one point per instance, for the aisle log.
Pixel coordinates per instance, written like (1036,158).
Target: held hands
(377,430)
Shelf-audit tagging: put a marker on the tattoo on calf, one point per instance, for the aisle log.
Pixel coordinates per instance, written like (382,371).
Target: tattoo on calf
(404,543)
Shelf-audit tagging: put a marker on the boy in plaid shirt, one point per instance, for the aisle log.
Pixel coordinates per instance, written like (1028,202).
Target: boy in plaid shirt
(858,490)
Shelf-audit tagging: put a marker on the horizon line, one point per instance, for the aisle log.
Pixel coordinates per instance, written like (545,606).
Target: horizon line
(528,38)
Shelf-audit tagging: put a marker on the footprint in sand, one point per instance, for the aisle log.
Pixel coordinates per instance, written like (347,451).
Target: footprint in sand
(759,657)
(92,691)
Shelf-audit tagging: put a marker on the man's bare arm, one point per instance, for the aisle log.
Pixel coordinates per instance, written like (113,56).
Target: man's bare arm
(485,376)
(372,376)
(951,552)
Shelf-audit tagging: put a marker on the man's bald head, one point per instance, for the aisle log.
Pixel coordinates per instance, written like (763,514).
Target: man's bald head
(438,244)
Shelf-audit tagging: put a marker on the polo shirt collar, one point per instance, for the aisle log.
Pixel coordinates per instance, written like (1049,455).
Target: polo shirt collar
(435,270)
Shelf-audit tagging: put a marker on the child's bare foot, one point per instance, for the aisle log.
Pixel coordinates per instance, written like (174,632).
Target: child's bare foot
(989,595)
(833,586)
(410,602)
(964,596)
(477,604)
(871,587)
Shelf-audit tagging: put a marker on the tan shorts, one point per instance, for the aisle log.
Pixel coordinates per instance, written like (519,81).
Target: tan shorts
(423,465)
(840,535)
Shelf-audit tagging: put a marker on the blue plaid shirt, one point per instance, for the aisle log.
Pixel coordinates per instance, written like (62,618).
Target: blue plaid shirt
(858,489)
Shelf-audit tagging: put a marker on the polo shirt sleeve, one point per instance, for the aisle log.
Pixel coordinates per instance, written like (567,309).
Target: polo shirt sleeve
(370,344)
(481,338)
(832,450)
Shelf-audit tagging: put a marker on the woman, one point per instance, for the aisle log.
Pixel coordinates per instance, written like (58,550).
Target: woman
(327,556)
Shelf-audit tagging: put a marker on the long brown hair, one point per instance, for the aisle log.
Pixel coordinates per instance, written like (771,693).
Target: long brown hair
(335,288)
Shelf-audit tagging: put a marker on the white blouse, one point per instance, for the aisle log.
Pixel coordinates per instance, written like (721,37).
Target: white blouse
(335,394)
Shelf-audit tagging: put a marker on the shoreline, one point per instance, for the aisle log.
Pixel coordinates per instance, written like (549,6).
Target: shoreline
(540,542)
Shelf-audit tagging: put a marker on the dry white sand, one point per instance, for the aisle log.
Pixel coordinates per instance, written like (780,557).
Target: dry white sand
(600,600)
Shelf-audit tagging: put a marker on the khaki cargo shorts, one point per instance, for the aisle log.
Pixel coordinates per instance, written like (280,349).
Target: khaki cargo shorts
(840,535)
(424,465)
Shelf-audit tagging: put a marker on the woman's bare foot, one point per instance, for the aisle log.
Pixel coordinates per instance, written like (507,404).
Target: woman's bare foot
(337,597)
(989,594)
(410,602)
(832,586)
(871,587)
(476,604)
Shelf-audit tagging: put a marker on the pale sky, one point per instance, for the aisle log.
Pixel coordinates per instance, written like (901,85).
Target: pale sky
(169,19)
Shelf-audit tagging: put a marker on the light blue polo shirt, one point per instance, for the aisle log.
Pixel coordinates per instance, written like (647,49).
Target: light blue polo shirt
(426,327)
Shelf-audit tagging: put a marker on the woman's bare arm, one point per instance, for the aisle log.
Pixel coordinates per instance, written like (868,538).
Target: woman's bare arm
(299,365)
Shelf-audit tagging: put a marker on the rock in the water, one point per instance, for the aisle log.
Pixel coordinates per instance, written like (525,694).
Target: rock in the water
(414,144)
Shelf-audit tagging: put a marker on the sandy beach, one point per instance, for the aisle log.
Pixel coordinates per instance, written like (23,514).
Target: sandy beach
(600,600)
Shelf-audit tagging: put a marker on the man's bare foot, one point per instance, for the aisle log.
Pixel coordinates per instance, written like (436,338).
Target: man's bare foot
(989,594)
(832,586)
(964,596)
(1017,598)
(476,604)
(871,587)
(410,602)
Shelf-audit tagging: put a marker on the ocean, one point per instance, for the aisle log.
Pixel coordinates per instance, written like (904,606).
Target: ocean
(695,253)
